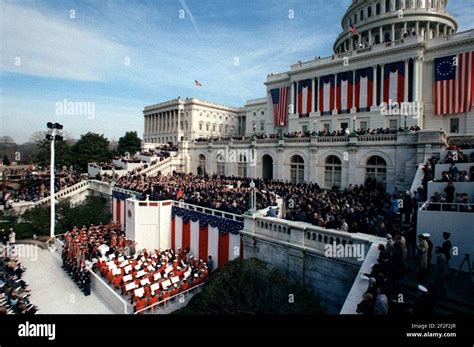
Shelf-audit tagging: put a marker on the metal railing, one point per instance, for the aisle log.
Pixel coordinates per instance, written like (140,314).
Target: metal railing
(445,207)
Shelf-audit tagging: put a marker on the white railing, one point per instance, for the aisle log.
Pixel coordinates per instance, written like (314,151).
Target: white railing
(64,193)
(155,167)
(304,236)
(331,139)
(445,207)
(377,138)
(172,303)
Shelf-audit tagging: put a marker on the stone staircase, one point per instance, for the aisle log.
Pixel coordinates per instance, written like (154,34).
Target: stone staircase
(159,166)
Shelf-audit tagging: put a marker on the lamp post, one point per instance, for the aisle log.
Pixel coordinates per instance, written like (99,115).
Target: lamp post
(53,136)
(354,124)
(254,131)
(315,123)
(280,130)
(253,198)
(405,127)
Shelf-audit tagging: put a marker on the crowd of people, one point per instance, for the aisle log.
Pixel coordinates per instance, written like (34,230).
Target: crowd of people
(34,187)
(450,201)
(14,292)
(387,280)
(150,278)
(360,208)
(296,134)
(85,244)
(229,194)
(455,155)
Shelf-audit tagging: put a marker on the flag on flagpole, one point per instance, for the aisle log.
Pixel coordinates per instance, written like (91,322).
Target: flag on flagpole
(454,83)
(353,30)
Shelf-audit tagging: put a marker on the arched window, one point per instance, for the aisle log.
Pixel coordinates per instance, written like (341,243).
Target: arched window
(220,165)
(369,11)
(377,169)
(242,166)
(388,6)
(297,169)
(267,167)
(202,165)
(332,172)
(377,9)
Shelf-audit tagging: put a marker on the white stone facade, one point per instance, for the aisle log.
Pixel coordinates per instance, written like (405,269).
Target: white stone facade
(343,160)
(188,119)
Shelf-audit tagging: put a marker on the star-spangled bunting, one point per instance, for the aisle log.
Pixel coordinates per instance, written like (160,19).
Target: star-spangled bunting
(224,225)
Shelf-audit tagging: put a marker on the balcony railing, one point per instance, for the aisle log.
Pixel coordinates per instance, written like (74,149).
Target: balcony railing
(445,207)
(329,139)
(377,138)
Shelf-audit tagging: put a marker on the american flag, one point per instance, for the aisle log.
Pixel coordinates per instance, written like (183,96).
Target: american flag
(454,83)
(394,83)
(345,81)
(280,105)
(353,30)
(364,79)
(197,83)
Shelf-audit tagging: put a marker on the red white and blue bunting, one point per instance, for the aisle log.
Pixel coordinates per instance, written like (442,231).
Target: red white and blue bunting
(224,225)
(206,235)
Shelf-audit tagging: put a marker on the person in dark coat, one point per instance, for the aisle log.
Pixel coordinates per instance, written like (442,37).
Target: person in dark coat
(446,247)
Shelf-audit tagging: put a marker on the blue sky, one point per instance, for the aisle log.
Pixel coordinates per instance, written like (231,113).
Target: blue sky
(84,59)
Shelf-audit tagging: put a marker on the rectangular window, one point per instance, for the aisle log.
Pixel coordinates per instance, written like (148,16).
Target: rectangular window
(327,126)
(200,126)
(363,125)
(304,128)
(454,125)
(392,124)
(262,126)
(344,126)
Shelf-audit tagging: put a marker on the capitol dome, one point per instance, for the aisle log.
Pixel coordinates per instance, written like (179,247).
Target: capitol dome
(369,22)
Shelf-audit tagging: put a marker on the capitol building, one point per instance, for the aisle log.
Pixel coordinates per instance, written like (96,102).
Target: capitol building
(398,66)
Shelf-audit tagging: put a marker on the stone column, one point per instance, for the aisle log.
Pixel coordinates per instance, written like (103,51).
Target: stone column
(374,88)
(382,67)
(381,34)
(292,97)
(427,30)
(407,77)
(353,107)
(318,113)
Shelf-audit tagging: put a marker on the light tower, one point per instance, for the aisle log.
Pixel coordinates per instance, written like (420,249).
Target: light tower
(53,136)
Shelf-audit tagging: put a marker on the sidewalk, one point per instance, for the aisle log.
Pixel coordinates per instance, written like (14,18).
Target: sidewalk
(52,290)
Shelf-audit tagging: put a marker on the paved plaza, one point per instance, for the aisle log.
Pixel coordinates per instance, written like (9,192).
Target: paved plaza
(52,290)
